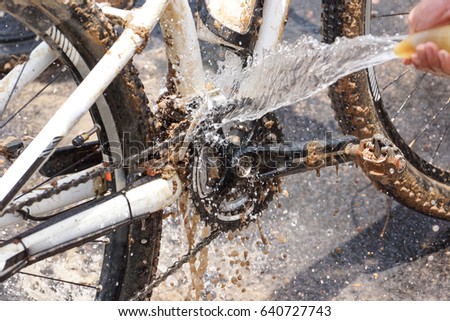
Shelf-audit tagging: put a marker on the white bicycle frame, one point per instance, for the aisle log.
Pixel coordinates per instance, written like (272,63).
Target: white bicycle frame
(87,222)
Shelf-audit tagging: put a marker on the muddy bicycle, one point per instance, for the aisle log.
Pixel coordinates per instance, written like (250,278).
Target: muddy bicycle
(134,159)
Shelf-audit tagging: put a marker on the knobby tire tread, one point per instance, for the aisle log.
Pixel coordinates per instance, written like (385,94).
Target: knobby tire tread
(422,187)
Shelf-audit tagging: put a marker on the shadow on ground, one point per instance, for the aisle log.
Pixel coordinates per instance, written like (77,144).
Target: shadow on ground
(359,262)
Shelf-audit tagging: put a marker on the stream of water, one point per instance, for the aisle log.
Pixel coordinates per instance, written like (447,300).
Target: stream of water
(296,72)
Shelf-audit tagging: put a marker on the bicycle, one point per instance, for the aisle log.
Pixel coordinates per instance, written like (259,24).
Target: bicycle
(114,187)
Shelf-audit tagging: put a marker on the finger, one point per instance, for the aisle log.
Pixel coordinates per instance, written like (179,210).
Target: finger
(432,59)
(419,61)
(412,21)
(415,60)
(419,58)
(444,58)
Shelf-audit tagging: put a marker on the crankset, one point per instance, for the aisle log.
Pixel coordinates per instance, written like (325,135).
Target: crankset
(235,175)
(223,196)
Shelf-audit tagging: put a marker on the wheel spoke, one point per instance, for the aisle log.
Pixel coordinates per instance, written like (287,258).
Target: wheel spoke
(377,16)
(398,78)
(97,288)
(408,97)
(32,98)
(14,88)
(427,126)
(440,141)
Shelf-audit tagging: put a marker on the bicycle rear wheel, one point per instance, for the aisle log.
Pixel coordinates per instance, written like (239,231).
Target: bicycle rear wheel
(81,35)
(388,100)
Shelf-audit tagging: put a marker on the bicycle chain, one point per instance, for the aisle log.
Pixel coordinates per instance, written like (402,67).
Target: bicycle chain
(19,206)
(146,292)
(160,149)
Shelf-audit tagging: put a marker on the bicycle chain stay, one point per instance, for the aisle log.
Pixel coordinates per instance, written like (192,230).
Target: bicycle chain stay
(48,193)
(159,150)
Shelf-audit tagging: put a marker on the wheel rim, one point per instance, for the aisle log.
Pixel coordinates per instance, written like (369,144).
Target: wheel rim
(423,146)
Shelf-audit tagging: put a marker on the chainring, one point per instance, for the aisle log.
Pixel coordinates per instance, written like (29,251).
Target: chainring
(225,195)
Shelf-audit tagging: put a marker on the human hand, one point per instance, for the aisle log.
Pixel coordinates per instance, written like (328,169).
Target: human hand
(429,57)
(426,15)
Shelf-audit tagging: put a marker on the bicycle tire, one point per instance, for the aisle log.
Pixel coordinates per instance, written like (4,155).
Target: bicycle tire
(360,111)
(15,40)
(131,257)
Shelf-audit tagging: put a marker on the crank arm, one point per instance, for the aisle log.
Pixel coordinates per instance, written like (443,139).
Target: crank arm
(299,157)
(378,157)
(86,222)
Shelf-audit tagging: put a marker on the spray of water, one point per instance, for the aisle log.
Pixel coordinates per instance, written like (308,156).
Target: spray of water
(296,72)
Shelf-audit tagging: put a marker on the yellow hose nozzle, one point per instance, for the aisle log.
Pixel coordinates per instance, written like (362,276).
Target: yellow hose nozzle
(439,35)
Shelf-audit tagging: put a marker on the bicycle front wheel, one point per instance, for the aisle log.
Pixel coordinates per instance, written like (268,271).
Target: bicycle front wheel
(81,36)
(407,106)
